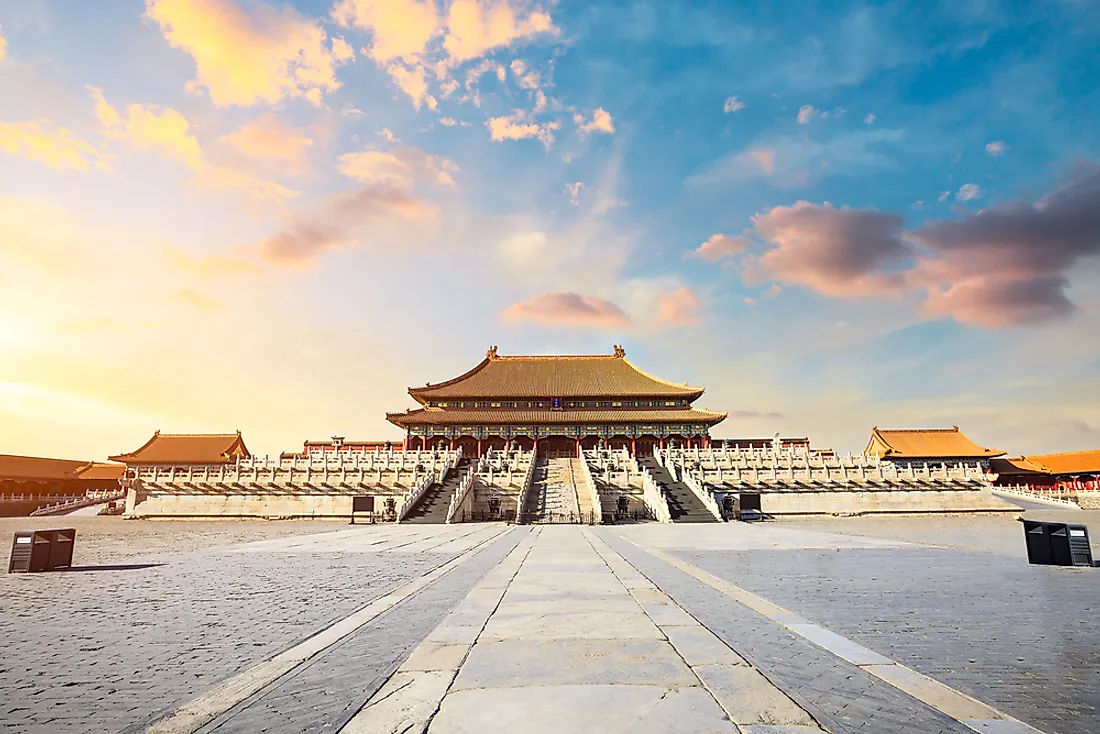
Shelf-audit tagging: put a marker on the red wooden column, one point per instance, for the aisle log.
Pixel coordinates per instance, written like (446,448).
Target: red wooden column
(452,444)
(405,442)
(661,441)
(633,447)
(480,450)
(535,445)
(578,442)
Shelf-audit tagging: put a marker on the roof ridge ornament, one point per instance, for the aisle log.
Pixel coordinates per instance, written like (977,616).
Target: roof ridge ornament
(619,351)
(491,353)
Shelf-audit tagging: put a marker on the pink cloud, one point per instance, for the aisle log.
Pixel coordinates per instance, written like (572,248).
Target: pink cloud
(765,158)
(566,309)
(720,247)
(680,307)
(336,225)
(1006,265)
(837,252)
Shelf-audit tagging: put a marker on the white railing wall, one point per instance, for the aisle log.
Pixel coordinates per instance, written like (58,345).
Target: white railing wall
(795,466)
(590,485)
(528,478)
(653,499)
(701,492)
(93,497)
(414,496)
(458,499)
(344,471)
(1025,492)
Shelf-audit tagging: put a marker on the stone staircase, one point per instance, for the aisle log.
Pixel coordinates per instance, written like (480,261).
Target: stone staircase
(584,496)
(553,494)
(683,505)
(433,505)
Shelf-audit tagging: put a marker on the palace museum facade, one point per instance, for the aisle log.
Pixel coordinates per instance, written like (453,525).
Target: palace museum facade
(556,404)
(587,438)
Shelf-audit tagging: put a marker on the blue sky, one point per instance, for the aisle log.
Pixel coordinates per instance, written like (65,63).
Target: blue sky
(221,214)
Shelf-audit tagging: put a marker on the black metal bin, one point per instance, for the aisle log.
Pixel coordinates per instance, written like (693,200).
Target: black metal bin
(42,550)
(1057,543)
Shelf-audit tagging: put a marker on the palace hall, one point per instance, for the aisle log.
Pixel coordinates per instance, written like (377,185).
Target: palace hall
(556,405)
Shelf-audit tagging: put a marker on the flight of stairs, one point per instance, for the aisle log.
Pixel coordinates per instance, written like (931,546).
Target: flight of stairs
(433,505)
(584,493)
(683,505)
(553,495)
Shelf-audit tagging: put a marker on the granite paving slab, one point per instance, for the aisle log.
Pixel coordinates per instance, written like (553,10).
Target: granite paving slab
(573,662)
(94,652)
(325,693)
(609,709)
(1021,638)
(839,695)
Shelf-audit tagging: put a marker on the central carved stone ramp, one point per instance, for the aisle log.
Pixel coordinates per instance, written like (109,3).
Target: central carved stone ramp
(553,494)
(683,505)
(433,505)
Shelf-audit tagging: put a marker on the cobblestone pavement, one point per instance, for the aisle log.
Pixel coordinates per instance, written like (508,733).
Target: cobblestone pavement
(108,540)
(631,628)
(841,696)
(1022,638)
(992,533)
(325,692)
(94,651)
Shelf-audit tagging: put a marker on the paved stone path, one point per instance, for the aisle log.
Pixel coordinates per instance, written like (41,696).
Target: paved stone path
(766,629)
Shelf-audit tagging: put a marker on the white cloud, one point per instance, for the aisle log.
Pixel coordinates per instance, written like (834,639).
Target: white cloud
(943,196)
(352,111)
(412,80)
(475,28)
(44,142)
(400,29)
(3,45)
(168,134)
(574,191)
(806,113)
(870,119)
(525,77)
(969,191)
(996,148)
(402,167)
(261,55)
(733,104)
(518,126)
(601,122)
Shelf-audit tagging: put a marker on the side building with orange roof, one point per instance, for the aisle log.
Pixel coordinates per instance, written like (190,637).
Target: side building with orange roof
(177,452)
(927,446)
(556,405)
(1067,471)
(30,482)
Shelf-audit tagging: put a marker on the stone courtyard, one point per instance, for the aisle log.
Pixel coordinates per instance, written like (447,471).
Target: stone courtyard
(882,624)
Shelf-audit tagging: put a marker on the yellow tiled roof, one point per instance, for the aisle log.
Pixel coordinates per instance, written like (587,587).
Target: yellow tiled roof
(925,443)
(1067,462)
(554,376)
(99,471)
(163,448)
(33,467)
(440,416)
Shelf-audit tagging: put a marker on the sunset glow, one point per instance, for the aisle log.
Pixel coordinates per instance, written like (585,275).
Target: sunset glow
(275,217)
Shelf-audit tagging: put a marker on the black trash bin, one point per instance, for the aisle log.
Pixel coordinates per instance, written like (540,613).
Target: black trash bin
(1057,543)
(42,550)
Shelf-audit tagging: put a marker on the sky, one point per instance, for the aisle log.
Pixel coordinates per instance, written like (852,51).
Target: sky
(274,217)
